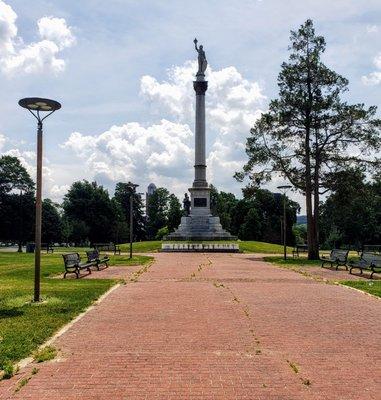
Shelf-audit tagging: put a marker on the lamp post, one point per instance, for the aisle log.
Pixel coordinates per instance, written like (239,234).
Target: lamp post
(35,106)
(284,189)
(132,187)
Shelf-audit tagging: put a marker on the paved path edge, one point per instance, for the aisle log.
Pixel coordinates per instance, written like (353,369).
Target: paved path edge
(28,360)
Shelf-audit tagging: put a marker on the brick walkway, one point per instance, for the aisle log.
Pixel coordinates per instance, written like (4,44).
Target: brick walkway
(217,326)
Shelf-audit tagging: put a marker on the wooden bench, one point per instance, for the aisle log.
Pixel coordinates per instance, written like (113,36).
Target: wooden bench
(337,257)
(299,248)
(107,247)
(368,261)
(93,256)
(73,264)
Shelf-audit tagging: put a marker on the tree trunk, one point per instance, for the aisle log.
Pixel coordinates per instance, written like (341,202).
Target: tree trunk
(310,226)
(316,207)
(313,251)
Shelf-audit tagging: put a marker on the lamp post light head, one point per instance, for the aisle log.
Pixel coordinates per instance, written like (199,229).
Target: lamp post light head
(38,105)
(284,188)
(132,186)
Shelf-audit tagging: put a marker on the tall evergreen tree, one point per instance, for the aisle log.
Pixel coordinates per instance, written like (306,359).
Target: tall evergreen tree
(309,131)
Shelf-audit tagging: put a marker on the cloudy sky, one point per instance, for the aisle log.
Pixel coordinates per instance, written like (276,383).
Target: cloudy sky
(123,71)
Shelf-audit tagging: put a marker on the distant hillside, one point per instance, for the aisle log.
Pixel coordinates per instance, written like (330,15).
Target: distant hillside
(301,219)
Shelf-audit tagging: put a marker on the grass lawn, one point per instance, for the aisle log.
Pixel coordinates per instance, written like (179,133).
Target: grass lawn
(245,246)
(373,287)
(292,262)
(25,325)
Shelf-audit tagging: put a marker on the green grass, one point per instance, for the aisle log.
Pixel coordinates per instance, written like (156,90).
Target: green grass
(373,287)
(261,247)
(292,262)
(45,354)
(25,325)
(245,246)
(142,247)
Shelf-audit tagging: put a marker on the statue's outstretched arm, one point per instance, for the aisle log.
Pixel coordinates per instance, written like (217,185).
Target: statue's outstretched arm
(195,44)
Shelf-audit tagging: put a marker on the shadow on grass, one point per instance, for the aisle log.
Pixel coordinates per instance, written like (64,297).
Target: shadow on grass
(10,313)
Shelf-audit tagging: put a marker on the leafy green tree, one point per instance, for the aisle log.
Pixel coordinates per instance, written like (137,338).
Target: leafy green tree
(157,211)
(17,218)
(13,176)
(300,233)
(51,231)
(66,229)
(122,198)
(16,201)
(309,131)
(174,212)
(351,215)
(252,228)
(90,211)
(161,233)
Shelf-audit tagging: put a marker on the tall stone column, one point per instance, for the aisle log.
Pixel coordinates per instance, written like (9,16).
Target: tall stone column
(200,191)
(200,87)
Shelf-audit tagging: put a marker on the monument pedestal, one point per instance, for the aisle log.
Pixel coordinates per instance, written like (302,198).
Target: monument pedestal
(200,224)
(200,227)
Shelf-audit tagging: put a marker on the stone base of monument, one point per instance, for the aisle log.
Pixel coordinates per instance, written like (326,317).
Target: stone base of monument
(200,227)
(200,247)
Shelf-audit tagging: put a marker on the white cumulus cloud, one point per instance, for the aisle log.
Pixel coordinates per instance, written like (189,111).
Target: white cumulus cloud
(164,151)
(2,141)
(41,56)
(374,78)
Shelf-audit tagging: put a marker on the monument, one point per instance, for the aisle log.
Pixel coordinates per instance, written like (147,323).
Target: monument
(199,223)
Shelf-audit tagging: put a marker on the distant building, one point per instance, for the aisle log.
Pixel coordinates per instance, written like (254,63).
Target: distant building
(151,188)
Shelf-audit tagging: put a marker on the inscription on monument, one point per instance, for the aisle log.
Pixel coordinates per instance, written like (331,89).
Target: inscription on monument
(200,202)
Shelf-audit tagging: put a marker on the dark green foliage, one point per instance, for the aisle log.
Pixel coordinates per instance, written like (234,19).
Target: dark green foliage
(161,233)
(51,222)
(309,131)
(122,204)
(174,213)
(257,216)
(16,201)
(157,211)
(14,176)
(351,215)
(300,233)
(90,211)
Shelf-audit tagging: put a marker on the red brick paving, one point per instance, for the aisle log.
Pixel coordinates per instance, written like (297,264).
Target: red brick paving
(217,326)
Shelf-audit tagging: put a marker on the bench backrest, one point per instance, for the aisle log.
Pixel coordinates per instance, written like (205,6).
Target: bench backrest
(92,255)
(71,259)
(338,254)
